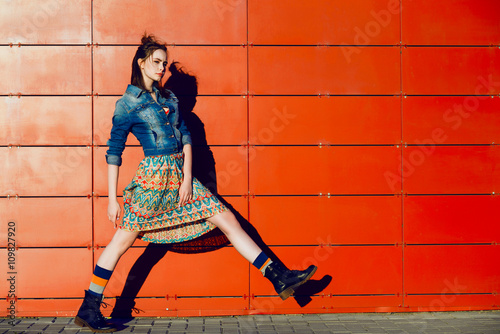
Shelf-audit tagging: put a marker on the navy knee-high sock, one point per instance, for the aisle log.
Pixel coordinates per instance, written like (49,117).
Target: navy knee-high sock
(261,262)
(99,280)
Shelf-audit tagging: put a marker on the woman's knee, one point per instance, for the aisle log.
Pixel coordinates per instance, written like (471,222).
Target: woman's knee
(122,240)
(226,221)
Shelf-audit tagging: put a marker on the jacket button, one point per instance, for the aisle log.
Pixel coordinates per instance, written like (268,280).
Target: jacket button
(172,136)
(167,123)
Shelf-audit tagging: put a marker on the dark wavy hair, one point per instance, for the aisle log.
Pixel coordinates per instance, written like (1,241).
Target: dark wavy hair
(149,44)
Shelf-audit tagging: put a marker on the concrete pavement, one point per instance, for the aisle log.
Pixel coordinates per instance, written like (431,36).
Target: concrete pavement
(486,322)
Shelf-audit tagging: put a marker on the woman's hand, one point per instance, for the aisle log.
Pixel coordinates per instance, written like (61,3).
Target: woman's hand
(186,188)
(185,192)
(113,211)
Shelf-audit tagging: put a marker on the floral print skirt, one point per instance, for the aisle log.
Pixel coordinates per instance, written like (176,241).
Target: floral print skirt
(150,203)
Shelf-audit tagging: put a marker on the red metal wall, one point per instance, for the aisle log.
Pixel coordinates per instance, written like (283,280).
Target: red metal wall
(361,136)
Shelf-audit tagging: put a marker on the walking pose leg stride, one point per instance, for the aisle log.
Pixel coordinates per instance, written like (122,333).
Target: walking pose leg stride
(163,203)
(284,281)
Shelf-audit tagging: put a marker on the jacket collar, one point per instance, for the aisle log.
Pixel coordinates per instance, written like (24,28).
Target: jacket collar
(136,91)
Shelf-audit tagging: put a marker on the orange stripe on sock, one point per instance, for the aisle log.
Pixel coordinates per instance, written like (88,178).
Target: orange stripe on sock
(99,281)
(265,264)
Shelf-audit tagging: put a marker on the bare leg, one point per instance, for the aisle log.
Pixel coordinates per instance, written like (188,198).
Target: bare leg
(227,223)
(284,281)
(89,314)
(122,240)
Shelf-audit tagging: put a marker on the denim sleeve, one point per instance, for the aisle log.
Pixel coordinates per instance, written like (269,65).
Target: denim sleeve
(119,133)
(186,135)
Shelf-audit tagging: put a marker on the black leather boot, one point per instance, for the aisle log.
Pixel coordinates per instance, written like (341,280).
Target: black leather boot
(89,315)
(287,281)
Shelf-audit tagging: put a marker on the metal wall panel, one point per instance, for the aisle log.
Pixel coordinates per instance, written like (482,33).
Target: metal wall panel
(46,171)
(33,120)
(196,307)
(4,307)
(452,70)
(219,69)
(358,22)
(50,70)
(451,169)
(230,176)
(320,70)
(445,301)
(463,22)
(451,219)
(347,265)
(296,120)
(112,68)
(48,307)
(68,277)
(451,120)
(326,304)
(179,22)
(180,274)
(7,285)
(218,120)
(334,220)
(45,22)
(451,269)
(155,306)
(337,170)
(47,222)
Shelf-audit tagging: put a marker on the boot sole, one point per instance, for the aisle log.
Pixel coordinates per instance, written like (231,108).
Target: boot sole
(82,323)
(291,290)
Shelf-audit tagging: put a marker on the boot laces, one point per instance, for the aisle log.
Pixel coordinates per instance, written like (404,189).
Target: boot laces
(100,317)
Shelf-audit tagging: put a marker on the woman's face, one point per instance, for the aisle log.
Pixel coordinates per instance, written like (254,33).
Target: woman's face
(153,67)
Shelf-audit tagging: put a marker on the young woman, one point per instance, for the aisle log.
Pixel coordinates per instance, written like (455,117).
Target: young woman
(163,203)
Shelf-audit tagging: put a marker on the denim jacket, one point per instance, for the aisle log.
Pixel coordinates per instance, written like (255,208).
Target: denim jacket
(159,133)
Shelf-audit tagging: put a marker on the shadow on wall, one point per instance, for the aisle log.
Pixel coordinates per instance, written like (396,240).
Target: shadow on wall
(185,88)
